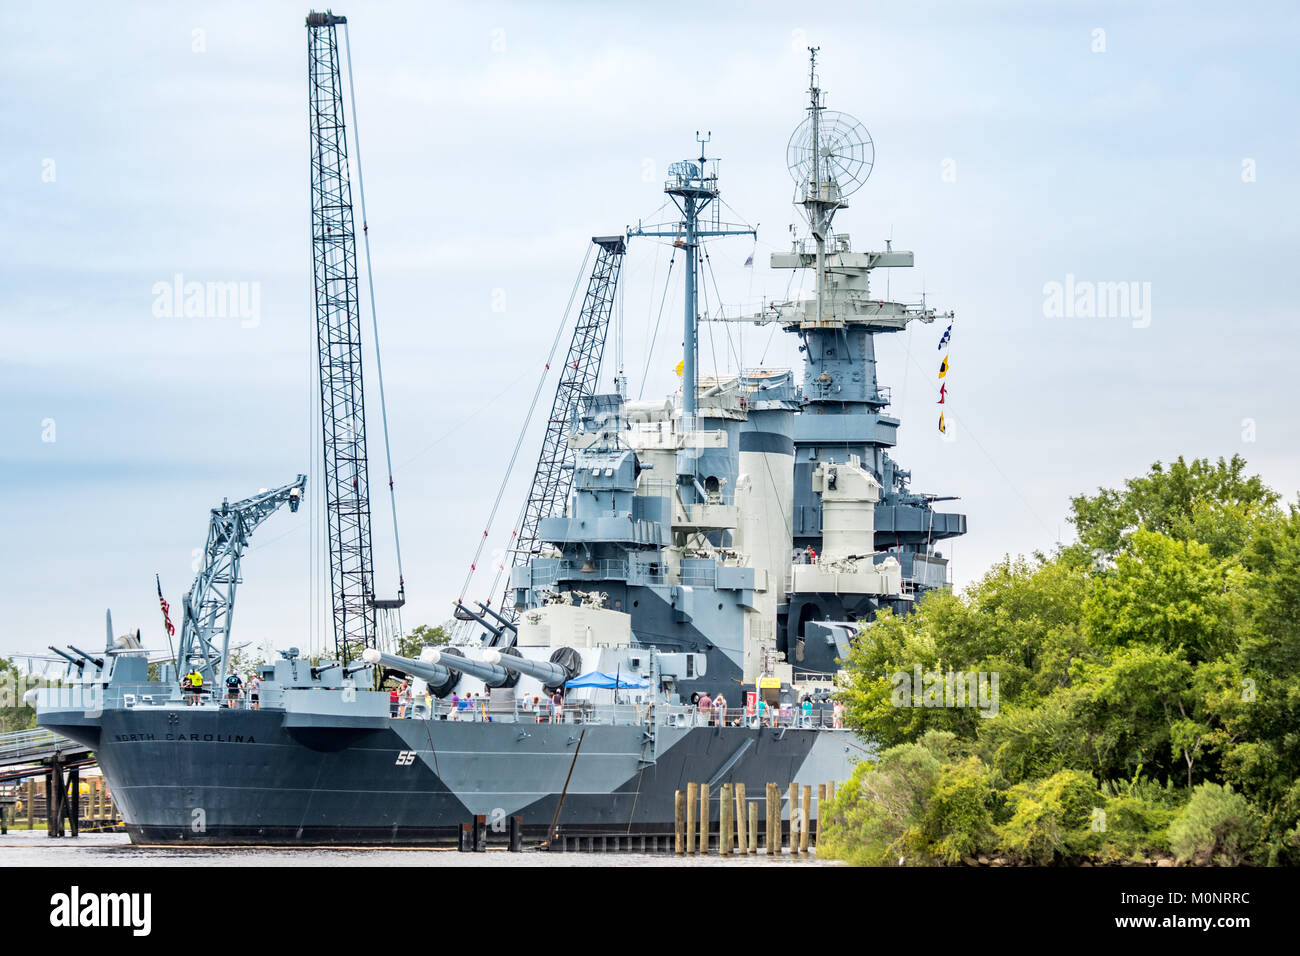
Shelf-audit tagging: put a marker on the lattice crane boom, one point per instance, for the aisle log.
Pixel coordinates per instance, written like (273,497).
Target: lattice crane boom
(553,476)
(338,328)
(210,604)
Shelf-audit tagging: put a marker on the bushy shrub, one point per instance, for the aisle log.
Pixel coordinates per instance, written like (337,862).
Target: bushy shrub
(957,821)
(1027,743)
(1051,820)
(1216,827)
(880,803)
(1135,828)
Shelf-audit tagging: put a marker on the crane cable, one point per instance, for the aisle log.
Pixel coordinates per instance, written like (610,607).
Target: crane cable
(650,351)
(523,431)
(379,366)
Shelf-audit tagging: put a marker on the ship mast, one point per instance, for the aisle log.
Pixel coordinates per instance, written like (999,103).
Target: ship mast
(821,195)
(693,187)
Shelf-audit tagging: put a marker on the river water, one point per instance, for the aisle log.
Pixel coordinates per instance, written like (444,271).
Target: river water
(34,848)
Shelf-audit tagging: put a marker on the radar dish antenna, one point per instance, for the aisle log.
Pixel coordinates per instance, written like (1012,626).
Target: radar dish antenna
(845,152)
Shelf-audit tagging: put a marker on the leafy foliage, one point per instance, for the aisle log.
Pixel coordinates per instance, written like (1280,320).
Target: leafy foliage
(1149,682)
(1217,826)
(420,637)
(14,714)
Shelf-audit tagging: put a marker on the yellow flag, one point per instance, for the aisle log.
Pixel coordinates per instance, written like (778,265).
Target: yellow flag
(943,367)
(942,427)
(680,366)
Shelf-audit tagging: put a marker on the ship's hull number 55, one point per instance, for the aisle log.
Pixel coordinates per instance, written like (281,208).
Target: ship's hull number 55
(405,758)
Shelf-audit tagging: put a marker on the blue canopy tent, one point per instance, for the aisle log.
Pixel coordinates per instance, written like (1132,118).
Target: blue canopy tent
(602,680)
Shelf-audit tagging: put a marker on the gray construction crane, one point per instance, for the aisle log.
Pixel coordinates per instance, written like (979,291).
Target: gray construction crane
(554,474)
(346,477)
(205,631)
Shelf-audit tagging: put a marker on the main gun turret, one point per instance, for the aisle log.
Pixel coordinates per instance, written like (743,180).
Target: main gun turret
(562,666)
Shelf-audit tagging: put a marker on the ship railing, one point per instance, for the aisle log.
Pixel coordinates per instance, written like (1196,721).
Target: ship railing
(697,576)
(602,569)
(640,573)
(205,699)
(480,710)
(687,716)
(622,714)
(815,677)
(656,487)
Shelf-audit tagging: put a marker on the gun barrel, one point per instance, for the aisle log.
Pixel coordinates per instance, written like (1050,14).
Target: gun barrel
(431,672)
(504,621)
(496,631)
(490,674)
(550,674)
(67,657)
(97,661)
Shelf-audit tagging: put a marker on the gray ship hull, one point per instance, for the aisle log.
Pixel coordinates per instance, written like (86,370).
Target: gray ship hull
(183,775)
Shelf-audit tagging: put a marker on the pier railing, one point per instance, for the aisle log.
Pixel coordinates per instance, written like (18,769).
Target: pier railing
(23,742)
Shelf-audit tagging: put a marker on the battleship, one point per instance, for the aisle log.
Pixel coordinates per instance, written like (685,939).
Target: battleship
(730,540)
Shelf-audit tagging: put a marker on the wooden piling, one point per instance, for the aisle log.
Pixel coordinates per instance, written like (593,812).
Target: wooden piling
(54,794)
(821,805)
(742,821)
(805,808)
(679,821)
(772,831)
(692,804)
(794,818)
(753,828)
(726,820)
(704,818)
(31,804)
(74,802)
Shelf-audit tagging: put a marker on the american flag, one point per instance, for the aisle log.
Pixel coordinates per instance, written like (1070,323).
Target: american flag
(167,620)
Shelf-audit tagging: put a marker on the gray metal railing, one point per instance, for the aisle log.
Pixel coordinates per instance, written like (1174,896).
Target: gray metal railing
(22,742)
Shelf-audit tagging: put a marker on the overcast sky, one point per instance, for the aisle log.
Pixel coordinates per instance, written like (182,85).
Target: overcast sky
(1016,143)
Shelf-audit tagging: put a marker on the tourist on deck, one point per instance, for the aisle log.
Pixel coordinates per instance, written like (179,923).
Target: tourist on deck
(254,691)
(837,720)
(706,709)
(557,707)
(392,702)
(720,710)
(234,684)
(195,680)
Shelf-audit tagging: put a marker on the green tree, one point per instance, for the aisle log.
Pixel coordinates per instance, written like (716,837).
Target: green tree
(1212,503)
(1141,668)
(1169,592)
(421,637)
(14,714)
